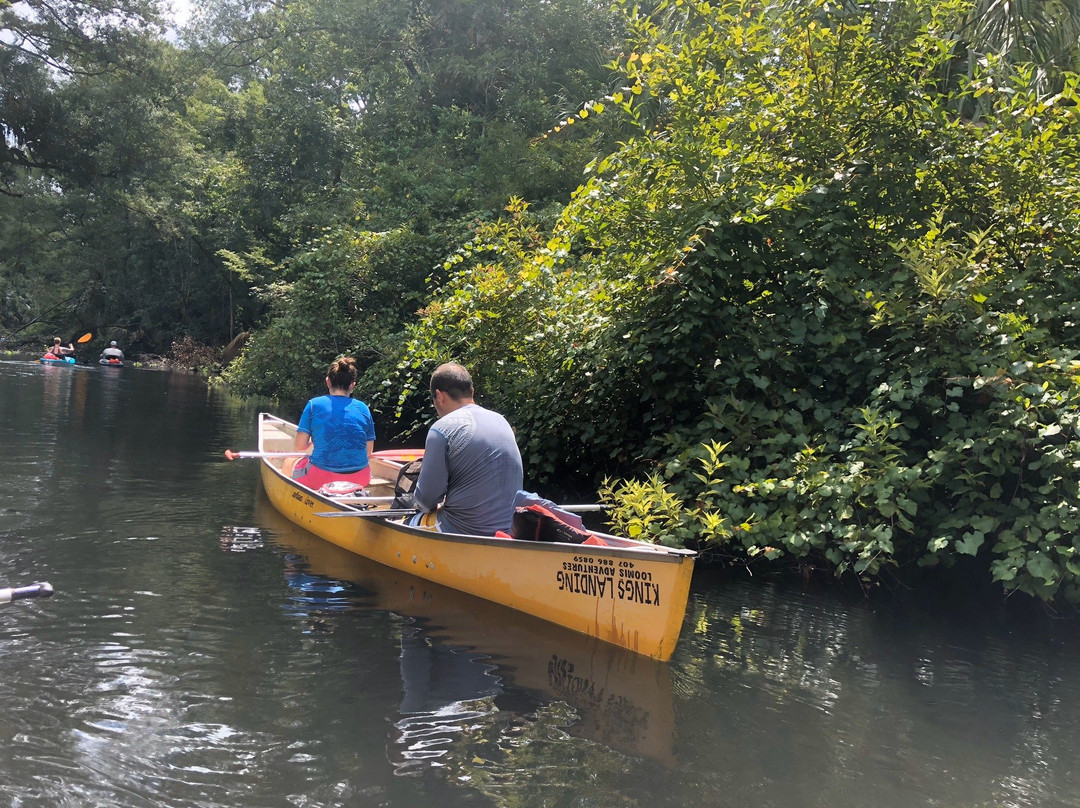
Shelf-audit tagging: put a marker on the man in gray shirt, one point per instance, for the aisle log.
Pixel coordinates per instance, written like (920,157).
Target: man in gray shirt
(471,460)
(112,352)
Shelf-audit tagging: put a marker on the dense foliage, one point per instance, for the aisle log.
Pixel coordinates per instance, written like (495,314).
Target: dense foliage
(830,320)
(813,300)
(267,142)
(442,116)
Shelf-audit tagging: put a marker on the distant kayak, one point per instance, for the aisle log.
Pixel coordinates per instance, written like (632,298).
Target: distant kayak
(67,360)
(111,362)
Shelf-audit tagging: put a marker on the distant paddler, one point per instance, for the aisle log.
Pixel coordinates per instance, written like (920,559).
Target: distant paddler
(59,351)
(112,352)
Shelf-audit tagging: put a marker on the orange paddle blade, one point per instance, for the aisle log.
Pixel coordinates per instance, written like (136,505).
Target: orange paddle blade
(86,337)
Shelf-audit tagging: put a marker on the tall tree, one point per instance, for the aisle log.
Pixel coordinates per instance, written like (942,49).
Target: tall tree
(411,119)
(45,45)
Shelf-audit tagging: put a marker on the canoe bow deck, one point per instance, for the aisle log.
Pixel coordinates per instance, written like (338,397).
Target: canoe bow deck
(630,593)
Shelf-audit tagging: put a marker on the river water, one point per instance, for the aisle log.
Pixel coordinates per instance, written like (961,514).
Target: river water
(202,651)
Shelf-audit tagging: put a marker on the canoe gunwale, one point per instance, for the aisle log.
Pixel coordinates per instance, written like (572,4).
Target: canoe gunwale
(666,554)
(654,552)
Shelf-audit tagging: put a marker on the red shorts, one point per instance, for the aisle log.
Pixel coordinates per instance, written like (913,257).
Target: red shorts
(308,474)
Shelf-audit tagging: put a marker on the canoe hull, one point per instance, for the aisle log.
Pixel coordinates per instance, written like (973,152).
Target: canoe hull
(634,596)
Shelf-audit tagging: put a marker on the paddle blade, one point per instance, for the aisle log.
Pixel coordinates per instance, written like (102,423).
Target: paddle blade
(85,337)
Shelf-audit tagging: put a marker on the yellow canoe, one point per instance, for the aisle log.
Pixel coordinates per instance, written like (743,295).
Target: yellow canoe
(629,593)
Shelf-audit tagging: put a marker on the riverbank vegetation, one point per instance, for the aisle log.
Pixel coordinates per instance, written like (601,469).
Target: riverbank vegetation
(795,284)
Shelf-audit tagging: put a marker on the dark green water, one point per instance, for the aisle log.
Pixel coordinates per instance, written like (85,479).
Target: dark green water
(201,651)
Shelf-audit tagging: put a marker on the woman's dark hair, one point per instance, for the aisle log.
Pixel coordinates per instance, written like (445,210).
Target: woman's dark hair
(453,380)
(342,373)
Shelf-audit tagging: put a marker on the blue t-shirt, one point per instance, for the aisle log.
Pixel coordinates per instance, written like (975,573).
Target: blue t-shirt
(340,427)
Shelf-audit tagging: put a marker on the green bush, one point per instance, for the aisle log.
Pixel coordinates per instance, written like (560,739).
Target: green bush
(807,313)
(874,313)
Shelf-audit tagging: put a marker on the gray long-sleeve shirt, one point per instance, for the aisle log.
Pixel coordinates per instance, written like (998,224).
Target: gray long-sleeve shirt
(471,464)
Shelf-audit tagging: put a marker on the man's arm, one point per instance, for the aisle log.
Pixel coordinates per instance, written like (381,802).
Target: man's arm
(431,485)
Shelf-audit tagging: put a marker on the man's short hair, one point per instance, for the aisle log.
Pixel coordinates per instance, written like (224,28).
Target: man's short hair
(453,380)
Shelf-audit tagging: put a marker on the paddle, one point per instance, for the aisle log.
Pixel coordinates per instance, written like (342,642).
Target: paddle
(40,590)
(378,500)
(89,335)
(230,455)
(384,513)
(400,455)
(390,454)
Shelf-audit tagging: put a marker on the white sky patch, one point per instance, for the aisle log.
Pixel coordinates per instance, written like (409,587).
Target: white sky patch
(179,11)
(177,14)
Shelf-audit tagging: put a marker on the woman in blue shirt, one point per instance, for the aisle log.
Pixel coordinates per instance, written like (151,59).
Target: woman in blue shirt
(342,430)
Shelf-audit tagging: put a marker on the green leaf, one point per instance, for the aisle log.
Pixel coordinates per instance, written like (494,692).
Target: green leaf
(1040,566)
(970,543)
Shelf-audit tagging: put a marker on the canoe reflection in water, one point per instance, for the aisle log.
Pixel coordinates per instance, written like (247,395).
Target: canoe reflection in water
(446,690)
(476,675)
(448,693)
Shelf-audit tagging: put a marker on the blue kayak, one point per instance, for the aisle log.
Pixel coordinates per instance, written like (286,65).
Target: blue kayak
(67,360)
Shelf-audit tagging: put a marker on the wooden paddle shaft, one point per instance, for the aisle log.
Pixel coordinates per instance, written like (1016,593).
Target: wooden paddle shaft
(583,508)
(245,455)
